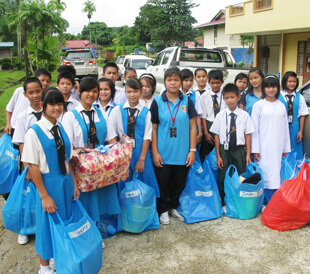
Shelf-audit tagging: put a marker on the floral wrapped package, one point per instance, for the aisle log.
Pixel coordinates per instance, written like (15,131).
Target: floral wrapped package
(103,166)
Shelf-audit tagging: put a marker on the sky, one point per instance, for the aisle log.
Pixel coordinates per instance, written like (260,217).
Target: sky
(116,13)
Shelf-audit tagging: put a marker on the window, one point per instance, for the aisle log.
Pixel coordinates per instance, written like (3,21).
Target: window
(200,56)
(158,59)
(262,4)
(166,58)
(303,47)
(215,35)
(236,9)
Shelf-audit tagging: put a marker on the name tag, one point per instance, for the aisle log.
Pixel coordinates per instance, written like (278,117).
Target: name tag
(173,132)
(290,119)
(226,145)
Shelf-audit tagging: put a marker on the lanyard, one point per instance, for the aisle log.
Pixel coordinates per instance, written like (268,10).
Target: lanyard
(175,116)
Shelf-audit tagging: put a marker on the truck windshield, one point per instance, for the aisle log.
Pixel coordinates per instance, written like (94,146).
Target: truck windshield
(139,64)
(200,56)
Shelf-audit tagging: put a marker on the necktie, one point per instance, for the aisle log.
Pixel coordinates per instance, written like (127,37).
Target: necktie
(60,150)
(131,123)
(201,91)
(38,115)
(233,135)
(216,107)
(290,105)
(92,134)
(66,106)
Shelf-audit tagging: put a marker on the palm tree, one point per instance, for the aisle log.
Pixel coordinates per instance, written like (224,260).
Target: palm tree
(89,8)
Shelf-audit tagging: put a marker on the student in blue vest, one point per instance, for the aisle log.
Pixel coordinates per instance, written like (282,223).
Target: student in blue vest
(134,120)
(87,128)
(297,110)
(173,142)
(50,171)
(254,92)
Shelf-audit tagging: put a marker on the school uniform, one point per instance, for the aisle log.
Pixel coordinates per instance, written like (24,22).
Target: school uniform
(210,108)
(147,103)
(74,94)
(118,124)
(271,139)
(27,118)
(202,91)
(173,145)
(231,127)
(40,149)
(106,110)
(69,105)
(120,95)
(299,108)
(248,99)
(195,97)
(77,125)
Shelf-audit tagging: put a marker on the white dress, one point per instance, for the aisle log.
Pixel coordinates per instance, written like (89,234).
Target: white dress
(271,139)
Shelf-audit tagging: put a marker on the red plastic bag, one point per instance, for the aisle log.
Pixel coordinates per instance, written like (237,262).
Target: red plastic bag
(289,207)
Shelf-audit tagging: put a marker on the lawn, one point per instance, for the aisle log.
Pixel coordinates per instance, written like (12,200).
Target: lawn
(9,81)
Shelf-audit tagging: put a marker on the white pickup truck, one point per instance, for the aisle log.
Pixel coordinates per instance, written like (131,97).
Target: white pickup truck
(192,58)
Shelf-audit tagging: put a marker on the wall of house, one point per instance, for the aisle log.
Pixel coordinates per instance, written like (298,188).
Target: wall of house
(5,53)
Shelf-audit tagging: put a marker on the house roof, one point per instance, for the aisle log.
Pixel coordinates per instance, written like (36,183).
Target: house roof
(6,44)
(218,19)
(77,44)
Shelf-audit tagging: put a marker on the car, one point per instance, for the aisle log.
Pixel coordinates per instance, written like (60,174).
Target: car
(120,63)
(84,62)
(138,62)
(305,91)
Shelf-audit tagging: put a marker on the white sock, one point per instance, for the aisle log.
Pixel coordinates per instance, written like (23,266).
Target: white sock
(44,268)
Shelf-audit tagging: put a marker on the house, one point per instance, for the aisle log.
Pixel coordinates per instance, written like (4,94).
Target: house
(77,44)
(215,37)
(282,34)
(6,49)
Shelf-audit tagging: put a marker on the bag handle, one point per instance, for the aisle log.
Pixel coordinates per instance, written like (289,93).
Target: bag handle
(231,168)
(135,175)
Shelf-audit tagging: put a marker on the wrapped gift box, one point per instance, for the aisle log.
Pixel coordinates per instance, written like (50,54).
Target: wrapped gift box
(99,167)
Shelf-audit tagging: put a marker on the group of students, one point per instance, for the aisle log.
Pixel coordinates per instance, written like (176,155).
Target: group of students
(167,132)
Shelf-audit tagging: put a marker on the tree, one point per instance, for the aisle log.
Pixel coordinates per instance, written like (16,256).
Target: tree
(89,8)
(247,40)
(103,33)
(167,20)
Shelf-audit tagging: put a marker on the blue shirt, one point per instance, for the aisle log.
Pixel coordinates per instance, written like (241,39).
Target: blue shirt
(173,151)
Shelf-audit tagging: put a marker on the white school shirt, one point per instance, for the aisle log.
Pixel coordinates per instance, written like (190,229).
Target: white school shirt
(197,101)
(302,109)
(221,125)
(17,104)
(105,110)
(73,128)
(120,95)
(116,122)
(146,103)
(33,152)
(24,121)
(206,101)
(271,139)
(73,103)
(74,94)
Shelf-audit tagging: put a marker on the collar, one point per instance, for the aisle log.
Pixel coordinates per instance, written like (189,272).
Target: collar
(110,104)
(80,108)
(189,92)
(218,93)
(138,106)
(30,110)
(46,123)
(236,111)
(165,98)
(284,93)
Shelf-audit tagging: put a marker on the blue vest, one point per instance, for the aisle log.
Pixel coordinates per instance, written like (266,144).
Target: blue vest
(173,151)
(250,101)
(294,127)
(101,126)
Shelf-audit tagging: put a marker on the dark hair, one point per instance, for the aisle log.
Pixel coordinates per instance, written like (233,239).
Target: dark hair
(68,68)
(271,81)
(31,80)
(172,71)
(88,83)
(200,69)
(285,78)
(110,64)
(231,88)
(241,76)
(110,83)
(215,74)
(133,83)
(150,79)
(52,96)
(66,75)
(129,69)
(257,70)
(44,72)
(186,73)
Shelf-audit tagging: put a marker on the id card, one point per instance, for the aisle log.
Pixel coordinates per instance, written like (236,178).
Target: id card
(173,132)
(226,146)
(133,143)
(290,119)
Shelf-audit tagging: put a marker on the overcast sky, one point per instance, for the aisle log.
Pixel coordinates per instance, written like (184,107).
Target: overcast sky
(117,13)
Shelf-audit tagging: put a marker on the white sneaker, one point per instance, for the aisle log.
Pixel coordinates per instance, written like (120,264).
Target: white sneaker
(22,239)
(164,218)
(224,209)
(50,271)
(52,264)
(103,244)
(176,214)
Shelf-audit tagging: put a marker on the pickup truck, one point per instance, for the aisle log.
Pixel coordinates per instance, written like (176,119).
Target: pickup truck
(192,58)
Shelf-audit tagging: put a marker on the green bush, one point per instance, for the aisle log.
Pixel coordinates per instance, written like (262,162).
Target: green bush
(100,61)
(6,63)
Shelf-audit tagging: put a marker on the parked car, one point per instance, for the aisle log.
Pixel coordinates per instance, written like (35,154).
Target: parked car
(120,63)
(84,62)
(138,62)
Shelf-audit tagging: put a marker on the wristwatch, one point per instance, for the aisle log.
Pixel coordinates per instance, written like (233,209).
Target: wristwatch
(193,149)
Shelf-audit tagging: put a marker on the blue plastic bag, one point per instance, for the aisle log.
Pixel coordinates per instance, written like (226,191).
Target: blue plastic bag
(211,158)
(107,225)
(287,171)
(19,211)
(200,199)
(243,201)
(8,164)
(138,207)
(77,243)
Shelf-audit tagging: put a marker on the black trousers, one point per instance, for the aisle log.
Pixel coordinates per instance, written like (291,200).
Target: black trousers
(171,182)
(206,147)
